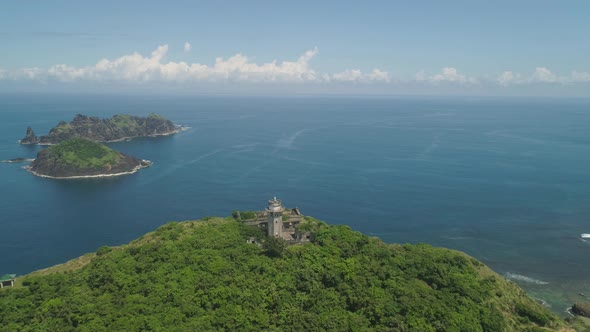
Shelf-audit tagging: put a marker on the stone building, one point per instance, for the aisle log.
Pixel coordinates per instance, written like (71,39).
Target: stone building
(280,222)
(274,211)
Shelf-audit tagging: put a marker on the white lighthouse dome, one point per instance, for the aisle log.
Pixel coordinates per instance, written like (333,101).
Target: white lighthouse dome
(275,205)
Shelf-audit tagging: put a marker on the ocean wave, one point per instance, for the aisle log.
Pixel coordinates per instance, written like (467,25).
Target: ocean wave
(287,143)
(520,277)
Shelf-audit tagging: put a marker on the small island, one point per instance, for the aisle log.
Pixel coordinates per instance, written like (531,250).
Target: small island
(117,128)
(81,158)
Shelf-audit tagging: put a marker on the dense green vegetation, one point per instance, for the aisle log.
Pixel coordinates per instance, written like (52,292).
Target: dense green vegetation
(82,153)
(119,127)
(204,276)
(125,121)
(63,127)
(244,215)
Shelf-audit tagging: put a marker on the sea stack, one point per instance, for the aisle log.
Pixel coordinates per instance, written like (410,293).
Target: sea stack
(30,137)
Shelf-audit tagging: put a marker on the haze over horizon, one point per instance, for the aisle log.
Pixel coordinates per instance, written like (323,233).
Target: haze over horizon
(527,48)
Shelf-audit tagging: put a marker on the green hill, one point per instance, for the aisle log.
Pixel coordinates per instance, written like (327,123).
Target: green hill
(204,276)
(81,157)
(119,127)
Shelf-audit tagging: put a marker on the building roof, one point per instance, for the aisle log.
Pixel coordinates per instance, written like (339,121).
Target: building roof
(7,277)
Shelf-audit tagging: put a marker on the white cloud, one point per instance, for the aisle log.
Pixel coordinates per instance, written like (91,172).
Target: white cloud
(356,75)
(138,68)
(542,75)
(507,78)
(154,67)
(347,76)
(379,75)
(580,77)
(33,73)
(447,75)
(450,74)
(421,76)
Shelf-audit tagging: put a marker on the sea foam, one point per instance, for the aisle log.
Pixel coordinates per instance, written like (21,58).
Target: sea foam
(520,277)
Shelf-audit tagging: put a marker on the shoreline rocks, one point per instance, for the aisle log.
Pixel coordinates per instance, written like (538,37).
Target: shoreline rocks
(581,309)
(17,160)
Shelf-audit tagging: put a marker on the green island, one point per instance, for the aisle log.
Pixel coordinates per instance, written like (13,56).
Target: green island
(117,128)
(78,157)
(229,274)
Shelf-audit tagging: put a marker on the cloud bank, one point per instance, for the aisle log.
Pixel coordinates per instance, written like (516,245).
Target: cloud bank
(138,68)
(541,75)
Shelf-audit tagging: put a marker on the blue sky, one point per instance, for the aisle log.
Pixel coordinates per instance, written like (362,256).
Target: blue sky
(381,47)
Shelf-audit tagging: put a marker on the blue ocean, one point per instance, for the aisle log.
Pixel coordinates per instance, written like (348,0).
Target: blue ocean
(507,180)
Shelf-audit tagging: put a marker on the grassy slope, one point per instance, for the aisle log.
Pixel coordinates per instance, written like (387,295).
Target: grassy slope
(84,154)
(204,276)
(125,122)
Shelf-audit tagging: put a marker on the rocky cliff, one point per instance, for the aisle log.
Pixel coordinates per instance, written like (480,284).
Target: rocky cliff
(117,128)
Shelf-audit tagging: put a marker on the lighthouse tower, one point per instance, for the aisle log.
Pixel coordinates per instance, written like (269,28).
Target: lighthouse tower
(275,217)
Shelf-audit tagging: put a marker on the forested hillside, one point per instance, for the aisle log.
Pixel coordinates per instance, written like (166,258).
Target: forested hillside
(204,276)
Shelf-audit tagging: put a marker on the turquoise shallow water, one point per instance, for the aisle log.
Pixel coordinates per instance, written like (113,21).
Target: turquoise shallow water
(505,180)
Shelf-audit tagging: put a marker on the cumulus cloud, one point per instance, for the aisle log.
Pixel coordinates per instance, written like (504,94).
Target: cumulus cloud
(356,75)
(421,76)
(580,76)
(450,74)
(447,74)
(542,75)
(33,73)
(379,75)
(138,68)
(545,75)
(508,78)
(347,76)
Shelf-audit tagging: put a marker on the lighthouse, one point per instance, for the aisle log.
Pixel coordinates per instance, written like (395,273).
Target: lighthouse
(275,211)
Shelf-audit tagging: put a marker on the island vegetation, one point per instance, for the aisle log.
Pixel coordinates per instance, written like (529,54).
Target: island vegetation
(208,276)
(117,128)
(79,157)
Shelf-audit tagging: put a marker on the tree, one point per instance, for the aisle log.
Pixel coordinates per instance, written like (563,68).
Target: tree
(274,246)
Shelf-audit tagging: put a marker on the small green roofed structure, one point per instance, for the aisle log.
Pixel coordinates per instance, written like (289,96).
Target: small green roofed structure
(7,278)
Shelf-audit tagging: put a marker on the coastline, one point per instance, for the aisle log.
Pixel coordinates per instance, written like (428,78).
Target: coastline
(11,161)
(134,170)
(122,139)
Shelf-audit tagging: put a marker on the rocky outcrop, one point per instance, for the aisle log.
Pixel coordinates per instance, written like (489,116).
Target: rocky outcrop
(117,128)
(581,309)
(30,137)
